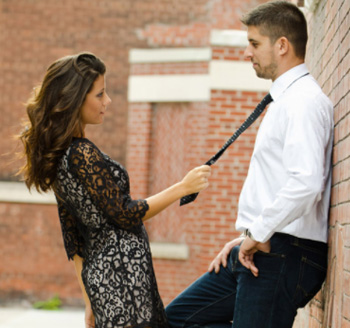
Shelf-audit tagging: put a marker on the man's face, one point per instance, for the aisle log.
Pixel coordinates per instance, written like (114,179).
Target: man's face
(261,53)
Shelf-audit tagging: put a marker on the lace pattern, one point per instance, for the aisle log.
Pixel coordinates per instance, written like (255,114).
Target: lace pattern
(101,223)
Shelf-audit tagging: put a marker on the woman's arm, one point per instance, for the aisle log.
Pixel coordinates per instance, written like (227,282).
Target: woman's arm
(195,181)
(89,166)
(89,316)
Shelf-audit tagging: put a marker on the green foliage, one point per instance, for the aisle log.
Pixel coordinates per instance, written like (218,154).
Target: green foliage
(52,304)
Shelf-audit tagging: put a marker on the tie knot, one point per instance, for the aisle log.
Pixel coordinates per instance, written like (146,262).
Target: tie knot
(267,99)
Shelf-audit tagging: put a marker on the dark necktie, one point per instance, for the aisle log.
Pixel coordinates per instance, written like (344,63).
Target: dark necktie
(247,123)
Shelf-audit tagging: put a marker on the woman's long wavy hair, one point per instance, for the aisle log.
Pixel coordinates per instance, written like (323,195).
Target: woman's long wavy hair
(54,116)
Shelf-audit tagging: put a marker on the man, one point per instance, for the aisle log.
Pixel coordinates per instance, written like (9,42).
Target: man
(261,279)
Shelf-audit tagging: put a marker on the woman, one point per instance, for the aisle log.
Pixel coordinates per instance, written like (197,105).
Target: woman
(102,226)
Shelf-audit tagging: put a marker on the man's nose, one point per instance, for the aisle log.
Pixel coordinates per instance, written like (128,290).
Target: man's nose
(248,53)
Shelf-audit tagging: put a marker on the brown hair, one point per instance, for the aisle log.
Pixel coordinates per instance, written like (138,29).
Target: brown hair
(54,116)
(280,18)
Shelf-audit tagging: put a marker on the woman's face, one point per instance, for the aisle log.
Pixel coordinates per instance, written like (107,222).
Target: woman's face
(95,104)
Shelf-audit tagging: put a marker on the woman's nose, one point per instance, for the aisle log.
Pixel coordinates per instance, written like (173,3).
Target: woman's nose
(107,100)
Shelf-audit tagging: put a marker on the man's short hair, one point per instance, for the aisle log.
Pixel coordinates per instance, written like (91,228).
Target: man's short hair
(277,19)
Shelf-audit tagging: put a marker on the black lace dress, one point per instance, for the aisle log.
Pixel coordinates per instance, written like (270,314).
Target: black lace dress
(102,224)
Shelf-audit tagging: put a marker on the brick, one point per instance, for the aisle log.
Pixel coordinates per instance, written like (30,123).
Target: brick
(347,239)
(346,307)
(346,260)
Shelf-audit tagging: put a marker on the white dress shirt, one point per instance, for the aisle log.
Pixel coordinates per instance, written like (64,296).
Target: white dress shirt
(288,185)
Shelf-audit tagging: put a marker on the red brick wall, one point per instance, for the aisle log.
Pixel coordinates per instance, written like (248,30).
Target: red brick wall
(169,164)
(35,33)
(33,263)
(329,60)
(225,53)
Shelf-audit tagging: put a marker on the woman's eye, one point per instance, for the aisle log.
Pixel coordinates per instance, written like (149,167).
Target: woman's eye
(100,95)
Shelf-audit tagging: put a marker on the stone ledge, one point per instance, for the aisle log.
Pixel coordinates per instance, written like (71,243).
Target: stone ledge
(229,38)
(169,88)
(169,251)
(311,5)
(223,75)
(169,55)
(17,192)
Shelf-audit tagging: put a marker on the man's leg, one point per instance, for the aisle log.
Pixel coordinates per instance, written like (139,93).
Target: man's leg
(257,297)
(214,300)
(208,302)
(288,278)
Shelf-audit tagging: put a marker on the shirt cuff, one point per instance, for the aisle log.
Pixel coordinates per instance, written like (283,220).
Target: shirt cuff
(260,231)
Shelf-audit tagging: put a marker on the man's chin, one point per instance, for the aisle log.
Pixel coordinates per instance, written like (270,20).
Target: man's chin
(258,73)
(262,75)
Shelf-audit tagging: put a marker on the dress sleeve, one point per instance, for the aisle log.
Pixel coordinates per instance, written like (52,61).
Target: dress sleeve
(88,165)
(73,241)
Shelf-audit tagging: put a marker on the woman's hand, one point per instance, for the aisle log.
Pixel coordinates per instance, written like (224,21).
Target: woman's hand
(89,318)
(196,180)
(221,258)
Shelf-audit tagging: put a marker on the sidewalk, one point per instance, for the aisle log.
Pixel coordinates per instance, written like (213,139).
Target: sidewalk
(30,318)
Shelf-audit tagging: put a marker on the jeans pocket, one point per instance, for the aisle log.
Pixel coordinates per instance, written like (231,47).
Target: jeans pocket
(311,277)
(269,263)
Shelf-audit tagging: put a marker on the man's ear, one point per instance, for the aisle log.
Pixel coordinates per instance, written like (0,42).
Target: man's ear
(283,45)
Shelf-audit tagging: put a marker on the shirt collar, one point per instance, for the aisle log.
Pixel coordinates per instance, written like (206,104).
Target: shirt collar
(286,79)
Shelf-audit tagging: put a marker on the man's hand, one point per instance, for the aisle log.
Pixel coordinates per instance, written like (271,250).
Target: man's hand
(247,250)
(221,258)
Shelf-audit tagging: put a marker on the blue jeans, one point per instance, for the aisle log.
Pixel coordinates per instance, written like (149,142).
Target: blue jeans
(289,277)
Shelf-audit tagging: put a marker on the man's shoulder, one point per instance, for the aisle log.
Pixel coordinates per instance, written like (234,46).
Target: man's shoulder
(308,93)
